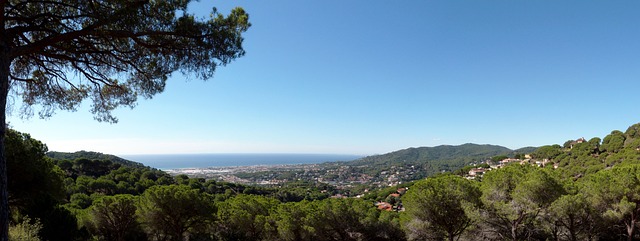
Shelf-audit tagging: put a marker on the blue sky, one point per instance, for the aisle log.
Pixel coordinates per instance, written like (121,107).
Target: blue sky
(370,77)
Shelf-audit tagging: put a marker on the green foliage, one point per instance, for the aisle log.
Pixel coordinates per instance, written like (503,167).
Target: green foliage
(518,156)
(36,187)
(573,217)
(547,152)
(616,194)
(442,203)
(592,195)
(27,230)
(426,161)
(93,168)
(80,201)
(114,218)
(582,159)
(526,150)
(512,197)
(349,219)
(292,221)
(32,178)
(498,158)
(595,144)
(170,212)
(613,142)
(90,155)
(298,191)
(128,50)
(246,217)
(59,53)
(633,131)
(60,224)
(107,178)
(382,194)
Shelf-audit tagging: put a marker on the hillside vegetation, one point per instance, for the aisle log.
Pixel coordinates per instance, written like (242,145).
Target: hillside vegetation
(90,155)
(390,169)
(586,190)
(433,159)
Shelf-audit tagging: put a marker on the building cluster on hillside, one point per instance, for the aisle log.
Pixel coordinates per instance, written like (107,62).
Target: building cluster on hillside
(577,141)
(393,202)
(338,176)
(478,172)
(347,176)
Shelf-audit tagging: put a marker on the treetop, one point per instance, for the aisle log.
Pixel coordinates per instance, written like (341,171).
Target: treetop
(111,52)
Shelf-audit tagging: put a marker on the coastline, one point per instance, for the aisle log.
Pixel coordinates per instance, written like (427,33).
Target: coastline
(228,173)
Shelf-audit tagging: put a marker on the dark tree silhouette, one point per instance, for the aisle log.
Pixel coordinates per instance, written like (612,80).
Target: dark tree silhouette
(55,54)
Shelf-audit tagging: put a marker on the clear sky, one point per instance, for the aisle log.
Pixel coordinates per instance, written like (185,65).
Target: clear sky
(370,77)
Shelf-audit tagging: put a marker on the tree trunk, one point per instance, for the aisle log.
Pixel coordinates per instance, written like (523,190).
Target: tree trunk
(630,229)
(572,229)
(5,64)
(514,231)
(514,235)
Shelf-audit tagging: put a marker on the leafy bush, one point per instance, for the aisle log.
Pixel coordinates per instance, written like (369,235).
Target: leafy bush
(27,230)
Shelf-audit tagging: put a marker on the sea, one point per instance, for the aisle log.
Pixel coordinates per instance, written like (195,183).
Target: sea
(178,161)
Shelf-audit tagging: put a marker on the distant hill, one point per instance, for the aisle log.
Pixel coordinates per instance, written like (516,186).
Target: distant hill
(526,150)
(92,156)
(430,160)
(444,152)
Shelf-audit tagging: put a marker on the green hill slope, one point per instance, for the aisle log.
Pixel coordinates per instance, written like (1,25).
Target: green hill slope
(92,156)
(526,150)
(425,161)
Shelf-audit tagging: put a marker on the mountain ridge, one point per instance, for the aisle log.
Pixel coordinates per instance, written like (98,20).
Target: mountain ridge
(422,162)
(92,155)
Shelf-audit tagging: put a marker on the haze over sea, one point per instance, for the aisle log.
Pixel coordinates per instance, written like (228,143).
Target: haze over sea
(175,161)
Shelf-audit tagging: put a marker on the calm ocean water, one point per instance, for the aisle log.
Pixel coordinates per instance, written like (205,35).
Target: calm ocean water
(173,161)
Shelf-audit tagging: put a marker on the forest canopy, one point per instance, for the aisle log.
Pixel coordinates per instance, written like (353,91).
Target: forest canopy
(583,193)
(55,54)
